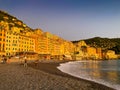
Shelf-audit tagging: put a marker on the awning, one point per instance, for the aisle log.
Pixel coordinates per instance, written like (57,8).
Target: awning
(69,56)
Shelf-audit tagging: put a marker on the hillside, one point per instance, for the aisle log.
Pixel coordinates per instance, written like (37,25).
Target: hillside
(104,43)
(13,21)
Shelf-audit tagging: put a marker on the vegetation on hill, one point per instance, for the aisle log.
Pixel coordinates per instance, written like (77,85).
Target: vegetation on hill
(13,21)
(104,43)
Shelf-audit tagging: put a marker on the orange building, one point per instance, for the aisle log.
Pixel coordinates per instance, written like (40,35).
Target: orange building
(110,54)
(91,51)
(3,28)
(14,40)
(99,52)
(12,45)
(26,44)
(2,42)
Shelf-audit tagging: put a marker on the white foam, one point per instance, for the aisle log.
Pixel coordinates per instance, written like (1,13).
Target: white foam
(71,67)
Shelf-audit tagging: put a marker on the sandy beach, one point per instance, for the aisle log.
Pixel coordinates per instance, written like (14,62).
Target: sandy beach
(43,76)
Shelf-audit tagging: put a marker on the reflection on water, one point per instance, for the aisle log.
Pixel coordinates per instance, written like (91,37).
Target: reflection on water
(107,71)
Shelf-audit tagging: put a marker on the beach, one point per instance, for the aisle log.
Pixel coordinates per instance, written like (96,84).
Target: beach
(42,76)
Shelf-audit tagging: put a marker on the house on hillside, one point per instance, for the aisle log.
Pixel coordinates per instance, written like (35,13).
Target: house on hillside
(110,54)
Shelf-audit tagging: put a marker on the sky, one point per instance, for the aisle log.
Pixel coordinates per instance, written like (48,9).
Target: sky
(69,19)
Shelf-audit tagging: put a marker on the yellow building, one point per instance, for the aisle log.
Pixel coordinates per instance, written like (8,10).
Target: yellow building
(79,45)
(3,28)
(91,51)
(15,39)
(2,42)
(15,29)
(26,44)
(37,35)
(110,54)
(12,43)
(99,52)
(16,42)
(43,45)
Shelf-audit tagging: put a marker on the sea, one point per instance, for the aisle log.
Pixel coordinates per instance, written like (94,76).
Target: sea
(106,72)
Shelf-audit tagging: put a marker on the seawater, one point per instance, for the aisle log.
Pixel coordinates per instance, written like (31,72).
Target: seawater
(105,72)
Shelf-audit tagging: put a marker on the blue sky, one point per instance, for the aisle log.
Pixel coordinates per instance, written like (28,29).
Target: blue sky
(69,19)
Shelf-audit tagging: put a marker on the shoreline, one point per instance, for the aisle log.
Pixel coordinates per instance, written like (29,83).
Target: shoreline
(51,68)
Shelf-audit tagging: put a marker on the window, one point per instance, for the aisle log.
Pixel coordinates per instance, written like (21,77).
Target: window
(3,45)
(14,45)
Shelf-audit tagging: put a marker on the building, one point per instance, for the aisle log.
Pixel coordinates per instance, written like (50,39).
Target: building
(17,37)
(92,54)
(99,53)
(110,54)
(12,43)
(26,44)
(3,28)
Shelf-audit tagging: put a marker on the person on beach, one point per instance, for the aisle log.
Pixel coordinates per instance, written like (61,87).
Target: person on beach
(8,61)
(25,61)
(36,62)
(4,59)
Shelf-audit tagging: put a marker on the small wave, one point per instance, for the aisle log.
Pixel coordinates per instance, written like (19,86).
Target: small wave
(74,69)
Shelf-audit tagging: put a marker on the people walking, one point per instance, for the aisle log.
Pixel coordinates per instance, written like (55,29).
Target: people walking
(5,59)
(36,62)
(25,61)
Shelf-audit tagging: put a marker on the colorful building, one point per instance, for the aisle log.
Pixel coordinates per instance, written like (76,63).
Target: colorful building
(3,28)
(110,54)
(17,37)
(12,43)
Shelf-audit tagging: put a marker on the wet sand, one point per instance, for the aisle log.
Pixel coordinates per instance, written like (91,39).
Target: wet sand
(76,84)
